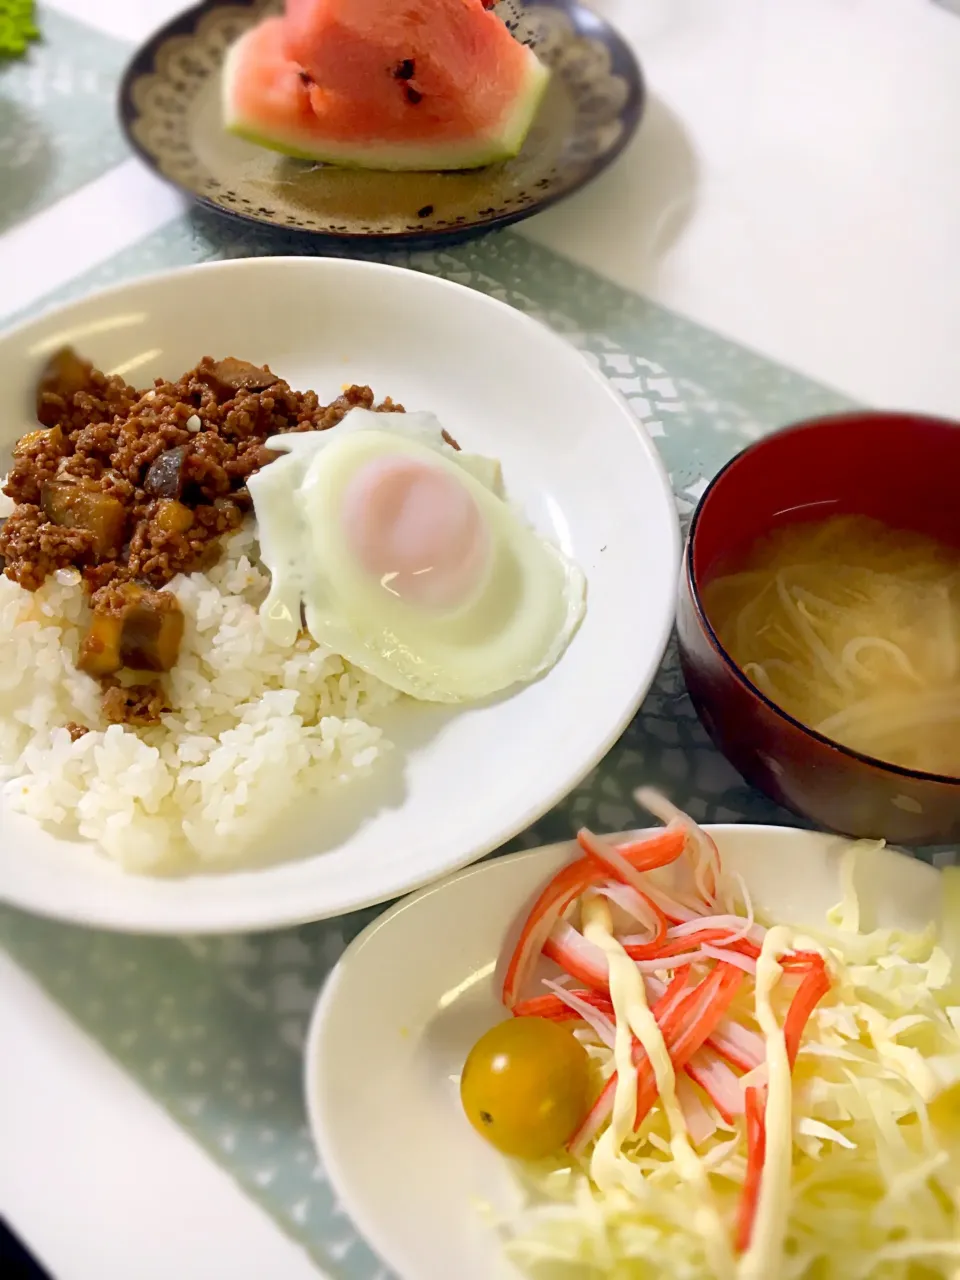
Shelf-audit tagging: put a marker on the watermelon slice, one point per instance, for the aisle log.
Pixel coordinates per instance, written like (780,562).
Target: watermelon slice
(384,84)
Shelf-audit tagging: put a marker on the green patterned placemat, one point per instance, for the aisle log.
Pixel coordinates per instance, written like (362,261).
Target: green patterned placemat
(699,396)
(214,1028)
(57,117)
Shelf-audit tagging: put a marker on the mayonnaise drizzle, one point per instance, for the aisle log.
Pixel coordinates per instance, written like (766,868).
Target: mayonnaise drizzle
(761,1260)
(632,1013)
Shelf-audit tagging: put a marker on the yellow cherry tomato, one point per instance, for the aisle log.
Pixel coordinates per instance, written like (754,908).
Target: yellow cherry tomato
(525,1086)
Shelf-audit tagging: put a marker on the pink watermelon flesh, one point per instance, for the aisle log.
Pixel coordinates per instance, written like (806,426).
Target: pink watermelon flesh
(384,84)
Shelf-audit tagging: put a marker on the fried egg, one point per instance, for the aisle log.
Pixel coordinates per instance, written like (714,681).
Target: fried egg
(399,553)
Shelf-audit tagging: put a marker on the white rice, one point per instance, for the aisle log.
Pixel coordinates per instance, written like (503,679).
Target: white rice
(255,726)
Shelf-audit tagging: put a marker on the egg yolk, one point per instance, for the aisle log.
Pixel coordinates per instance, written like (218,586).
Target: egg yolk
(416,530)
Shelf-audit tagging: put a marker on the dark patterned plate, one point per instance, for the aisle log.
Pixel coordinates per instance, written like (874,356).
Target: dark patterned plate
(170,110)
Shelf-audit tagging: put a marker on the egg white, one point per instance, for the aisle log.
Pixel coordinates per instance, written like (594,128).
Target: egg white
(514,627)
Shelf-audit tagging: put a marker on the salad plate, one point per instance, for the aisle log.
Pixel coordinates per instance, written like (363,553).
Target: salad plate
(412,994)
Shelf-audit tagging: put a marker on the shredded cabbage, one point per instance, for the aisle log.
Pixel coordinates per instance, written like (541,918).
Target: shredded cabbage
(950,926)
(871,1123)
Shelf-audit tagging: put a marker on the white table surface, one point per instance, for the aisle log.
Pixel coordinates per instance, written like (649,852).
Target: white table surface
(796,187)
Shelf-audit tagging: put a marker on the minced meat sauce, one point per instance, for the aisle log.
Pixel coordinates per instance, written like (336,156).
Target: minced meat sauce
(134,487)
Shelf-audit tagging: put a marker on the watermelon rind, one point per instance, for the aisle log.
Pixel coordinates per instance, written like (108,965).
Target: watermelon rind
(469,153)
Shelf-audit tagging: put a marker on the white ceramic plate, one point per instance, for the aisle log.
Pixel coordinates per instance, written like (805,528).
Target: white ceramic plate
(412,994)
(573,456)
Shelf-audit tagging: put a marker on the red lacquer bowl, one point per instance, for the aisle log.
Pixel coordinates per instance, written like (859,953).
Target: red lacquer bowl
(899,468)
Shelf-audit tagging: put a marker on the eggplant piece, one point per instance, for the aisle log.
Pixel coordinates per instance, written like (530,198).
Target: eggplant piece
(100,651)
(51,436)
(132,626)
(64,374)
(75,506)
(164,477)
(172,516)
(151,637)
(230,376)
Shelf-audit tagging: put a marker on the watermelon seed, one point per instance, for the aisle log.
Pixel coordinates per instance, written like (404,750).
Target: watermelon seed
(405,70)
(412,95)
(425,212)
(306,78)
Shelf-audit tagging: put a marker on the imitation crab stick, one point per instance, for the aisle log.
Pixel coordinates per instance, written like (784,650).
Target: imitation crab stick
(556,1010)
(756,1151)
(600,1112)
(718,1081)
(707,864)
(686,1018)
(687,1027)
(583,961)
(564,889)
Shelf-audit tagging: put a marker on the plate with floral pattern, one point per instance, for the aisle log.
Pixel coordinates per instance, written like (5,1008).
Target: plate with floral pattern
(170,108)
